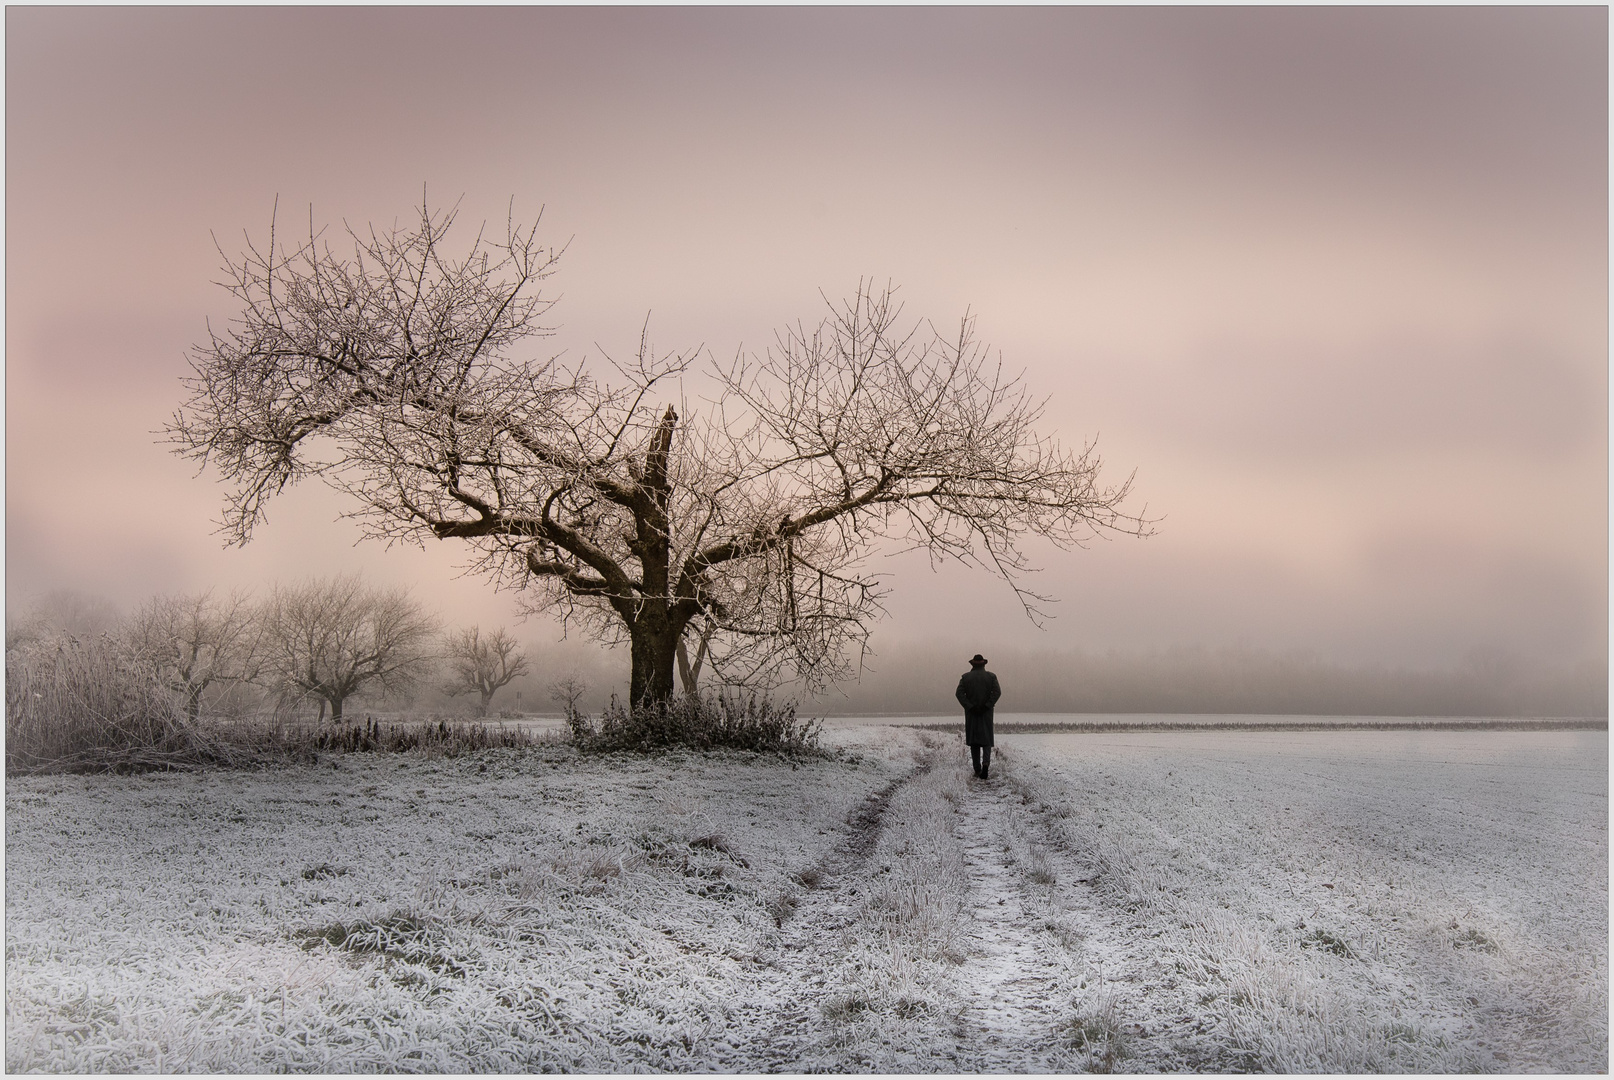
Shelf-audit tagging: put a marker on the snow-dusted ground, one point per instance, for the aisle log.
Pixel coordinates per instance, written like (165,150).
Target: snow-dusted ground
(1317,901)
(1342,901)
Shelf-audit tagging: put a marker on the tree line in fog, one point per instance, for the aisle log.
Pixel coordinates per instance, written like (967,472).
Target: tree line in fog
(456,669)
(318,644)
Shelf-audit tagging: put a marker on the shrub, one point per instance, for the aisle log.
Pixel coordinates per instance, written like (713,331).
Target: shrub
(712,722)
(442,737)
(81,705)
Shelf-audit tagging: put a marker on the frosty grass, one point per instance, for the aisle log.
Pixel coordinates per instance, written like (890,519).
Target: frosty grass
(1298,902)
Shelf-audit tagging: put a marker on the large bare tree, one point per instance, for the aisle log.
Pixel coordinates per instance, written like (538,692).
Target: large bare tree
(390,370)
(481,663)
(328,639)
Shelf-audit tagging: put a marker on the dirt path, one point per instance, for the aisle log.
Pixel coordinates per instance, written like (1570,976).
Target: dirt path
(1044,974)
(1007,999)
(1022,980)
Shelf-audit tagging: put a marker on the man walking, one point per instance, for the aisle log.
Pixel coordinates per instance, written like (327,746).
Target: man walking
(978,692)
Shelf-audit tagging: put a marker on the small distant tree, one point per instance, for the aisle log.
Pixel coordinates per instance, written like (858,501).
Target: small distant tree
(195,641)
(330,638)
(567,692)
(482,663)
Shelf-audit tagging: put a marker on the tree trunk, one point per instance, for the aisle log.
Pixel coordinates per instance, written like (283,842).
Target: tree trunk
(487,700)
(336,710)
(193,702)
(688,672)
(655,653)
(653,633)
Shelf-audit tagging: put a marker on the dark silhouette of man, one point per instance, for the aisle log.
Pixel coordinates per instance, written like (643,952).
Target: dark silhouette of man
(978,692)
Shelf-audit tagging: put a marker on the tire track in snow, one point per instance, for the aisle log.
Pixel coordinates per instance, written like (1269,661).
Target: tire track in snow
(783,1025)
(1013,998)
(1020,987)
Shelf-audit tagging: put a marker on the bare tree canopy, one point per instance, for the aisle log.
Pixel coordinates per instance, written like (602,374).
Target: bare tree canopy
(482,663)
(331,638)
(195,641)
(390,374)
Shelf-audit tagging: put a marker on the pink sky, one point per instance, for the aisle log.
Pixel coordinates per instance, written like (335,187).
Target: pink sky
(1333,281)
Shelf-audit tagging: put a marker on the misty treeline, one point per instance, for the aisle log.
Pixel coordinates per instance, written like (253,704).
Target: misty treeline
(202,679)
(310,648)
(917,677)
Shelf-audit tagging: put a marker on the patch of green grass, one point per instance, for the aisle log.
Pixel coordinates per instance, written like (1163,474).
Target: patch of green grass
(909,1008)
(1040,867)
(782,907)
(1474,939)
(1405,1034)
(396,937)
(1099,1034)
(809,878)
(1322,939)
(717,842)
(849,1006)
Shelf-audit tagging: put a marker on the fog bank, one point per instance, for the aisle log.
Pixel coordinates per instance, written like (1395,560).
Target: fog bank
(920,678)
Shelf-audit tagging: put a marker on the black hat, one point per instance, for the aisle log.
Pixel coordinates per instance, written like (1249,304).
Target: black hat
(977,659)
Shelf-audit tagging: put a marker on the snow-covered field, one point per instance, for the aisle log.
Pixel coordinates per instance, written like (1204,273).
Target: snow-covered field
(1300,901)
(1341,901)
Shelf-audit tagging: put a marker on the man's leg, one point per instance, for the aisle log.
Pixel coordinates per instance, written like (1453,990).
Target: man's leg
(975,758)
(986,761)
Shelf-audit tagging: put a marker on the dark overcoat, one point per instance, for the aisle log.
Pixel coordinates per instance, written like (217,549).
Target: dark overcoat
(978,692)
